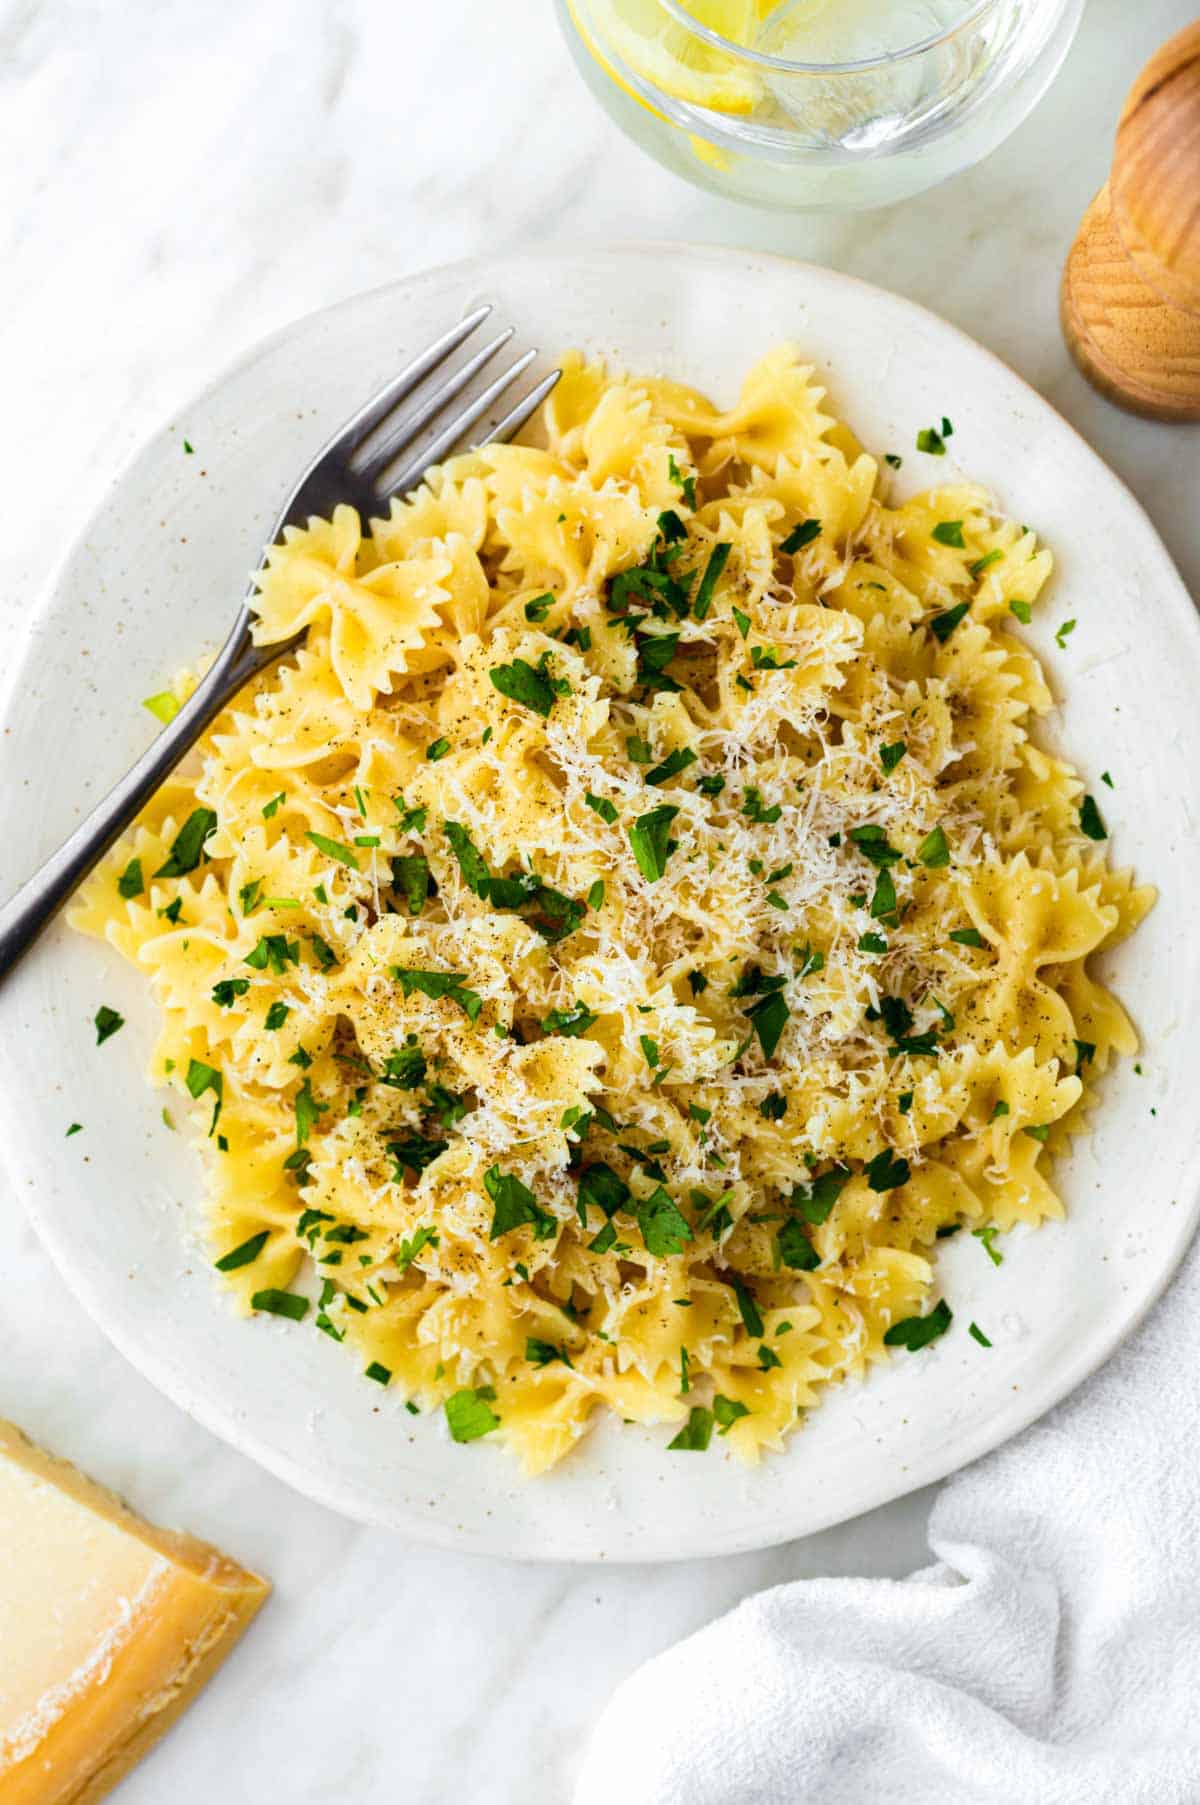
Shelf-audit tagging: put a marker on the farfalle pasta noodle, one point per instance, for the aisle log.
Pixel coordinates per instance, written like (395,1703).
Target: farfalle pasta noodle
(634,925)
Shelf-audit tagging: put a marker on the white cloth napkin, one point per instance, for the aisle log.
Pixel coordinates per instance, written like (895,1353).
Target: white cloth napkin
(1051,1656)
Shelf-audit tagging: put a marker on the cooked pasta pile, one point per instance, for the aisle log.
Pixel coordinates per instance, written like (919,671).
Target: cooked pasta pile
(634,925)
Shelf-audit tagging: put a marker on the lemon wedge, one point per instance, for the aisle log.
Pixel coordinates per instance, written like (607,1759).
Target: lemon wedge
(654,46)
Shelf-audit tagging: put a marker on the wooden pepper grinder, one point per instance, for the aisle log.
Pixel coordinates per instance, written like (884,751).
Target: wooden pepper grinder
(1131,287)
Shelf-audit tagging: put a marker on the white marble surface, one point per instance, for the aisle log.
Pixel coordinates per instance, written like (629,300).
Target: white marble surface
(178,180)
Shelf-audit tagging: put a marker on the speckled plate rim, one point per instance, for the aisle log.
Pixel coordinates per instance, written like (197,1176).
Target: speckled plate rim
(618,1497)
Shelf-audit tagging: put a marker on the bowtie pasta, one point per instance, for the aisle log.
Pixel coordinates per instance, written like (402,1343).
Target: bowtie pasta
(634,925)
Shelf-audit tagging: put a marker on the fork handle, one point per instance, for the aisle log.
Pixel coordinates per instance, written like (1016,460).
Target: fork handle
(36,903)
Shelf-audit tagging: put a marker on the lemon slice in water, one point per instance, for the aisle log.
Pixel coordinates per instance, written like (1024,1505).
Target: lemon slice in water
(653,45)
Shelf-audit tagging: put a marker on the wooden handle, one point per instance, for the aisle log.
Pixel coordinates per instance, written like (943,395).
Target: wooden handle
(1131,286)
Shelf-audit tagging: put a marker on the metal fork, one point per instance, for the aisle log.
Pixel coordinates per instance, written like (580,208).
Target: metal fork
(363,464)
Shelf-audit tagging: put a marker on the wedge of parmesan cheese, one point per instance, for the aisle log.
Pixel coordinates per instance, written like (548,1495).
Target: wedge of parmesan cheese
(108,1627)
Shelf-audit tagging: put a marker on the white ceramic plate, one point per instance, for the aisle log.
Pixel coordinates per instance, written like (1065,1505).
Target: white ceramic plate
(154,581)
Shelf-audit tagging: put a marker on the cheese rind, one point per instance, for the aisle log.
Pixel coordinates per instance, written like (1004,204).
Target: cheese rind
(108,1627)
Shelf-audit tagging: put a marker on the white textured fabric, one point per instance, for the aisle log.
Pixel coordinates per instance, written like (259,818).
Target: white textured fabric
(1050,1657)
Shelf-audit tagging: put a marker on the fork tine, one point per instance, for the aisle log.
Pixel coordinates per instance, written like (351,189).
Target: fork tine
(395,391)
(406,428)
(415,467)
(516,417)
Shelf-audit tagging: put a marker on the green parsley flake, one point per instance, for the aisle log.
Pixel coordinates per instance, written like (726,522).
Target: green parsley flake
(986,1236)
(649,836)
(726,1412)
(890,756)
(1091,822)
(934,852)
(106,1022)
(1022,610)
(469,1413)
(671,766)
(531,685)
(949,532)
(515,1206)
(333,849)
(243,1254)
(942,625)
(800,536)
(717,560)
(602,807)
(281,1303)
(916,1332)
(131,882)
(696,1433)
(187,848)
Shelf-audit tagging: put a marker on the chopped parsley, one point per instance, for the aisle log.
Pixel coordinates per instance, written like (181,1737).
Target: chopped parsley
(411,876)
(726,1412)
(228,990)
(986,1236)
(915,1332)
(106,1022)
(887,1171)
(411,1245)
(333,849)
(934,852)
(796,1250)
(930,440)
(271,809)
(686,483)
(949,532)
(664,1230)
(537,610)
(942,625)
(717,560)
(890,756)
(696,1433)
(435,750)
(570,1022)
(469,1413)
(1091,822)
(671,766)
(275,951)
(977,1334)
(753,809)
(131,882)
(187,848)
(1064,633)
(281,1303)
(412,1154)
(404,1068)
(531,685)
(967,937)
(977,569)
(649,836)
(1022,610)
(602,807)
(244,1253)
(800,536)
(437,984)
(514,1206)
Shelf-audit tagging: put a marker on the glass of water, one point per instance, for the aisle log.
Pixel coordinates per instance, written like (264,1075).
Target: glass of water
(819,104)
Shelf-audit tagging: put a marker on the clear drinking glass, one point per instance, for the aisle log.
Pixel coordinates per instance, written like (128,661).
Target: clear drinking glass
(826,104)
